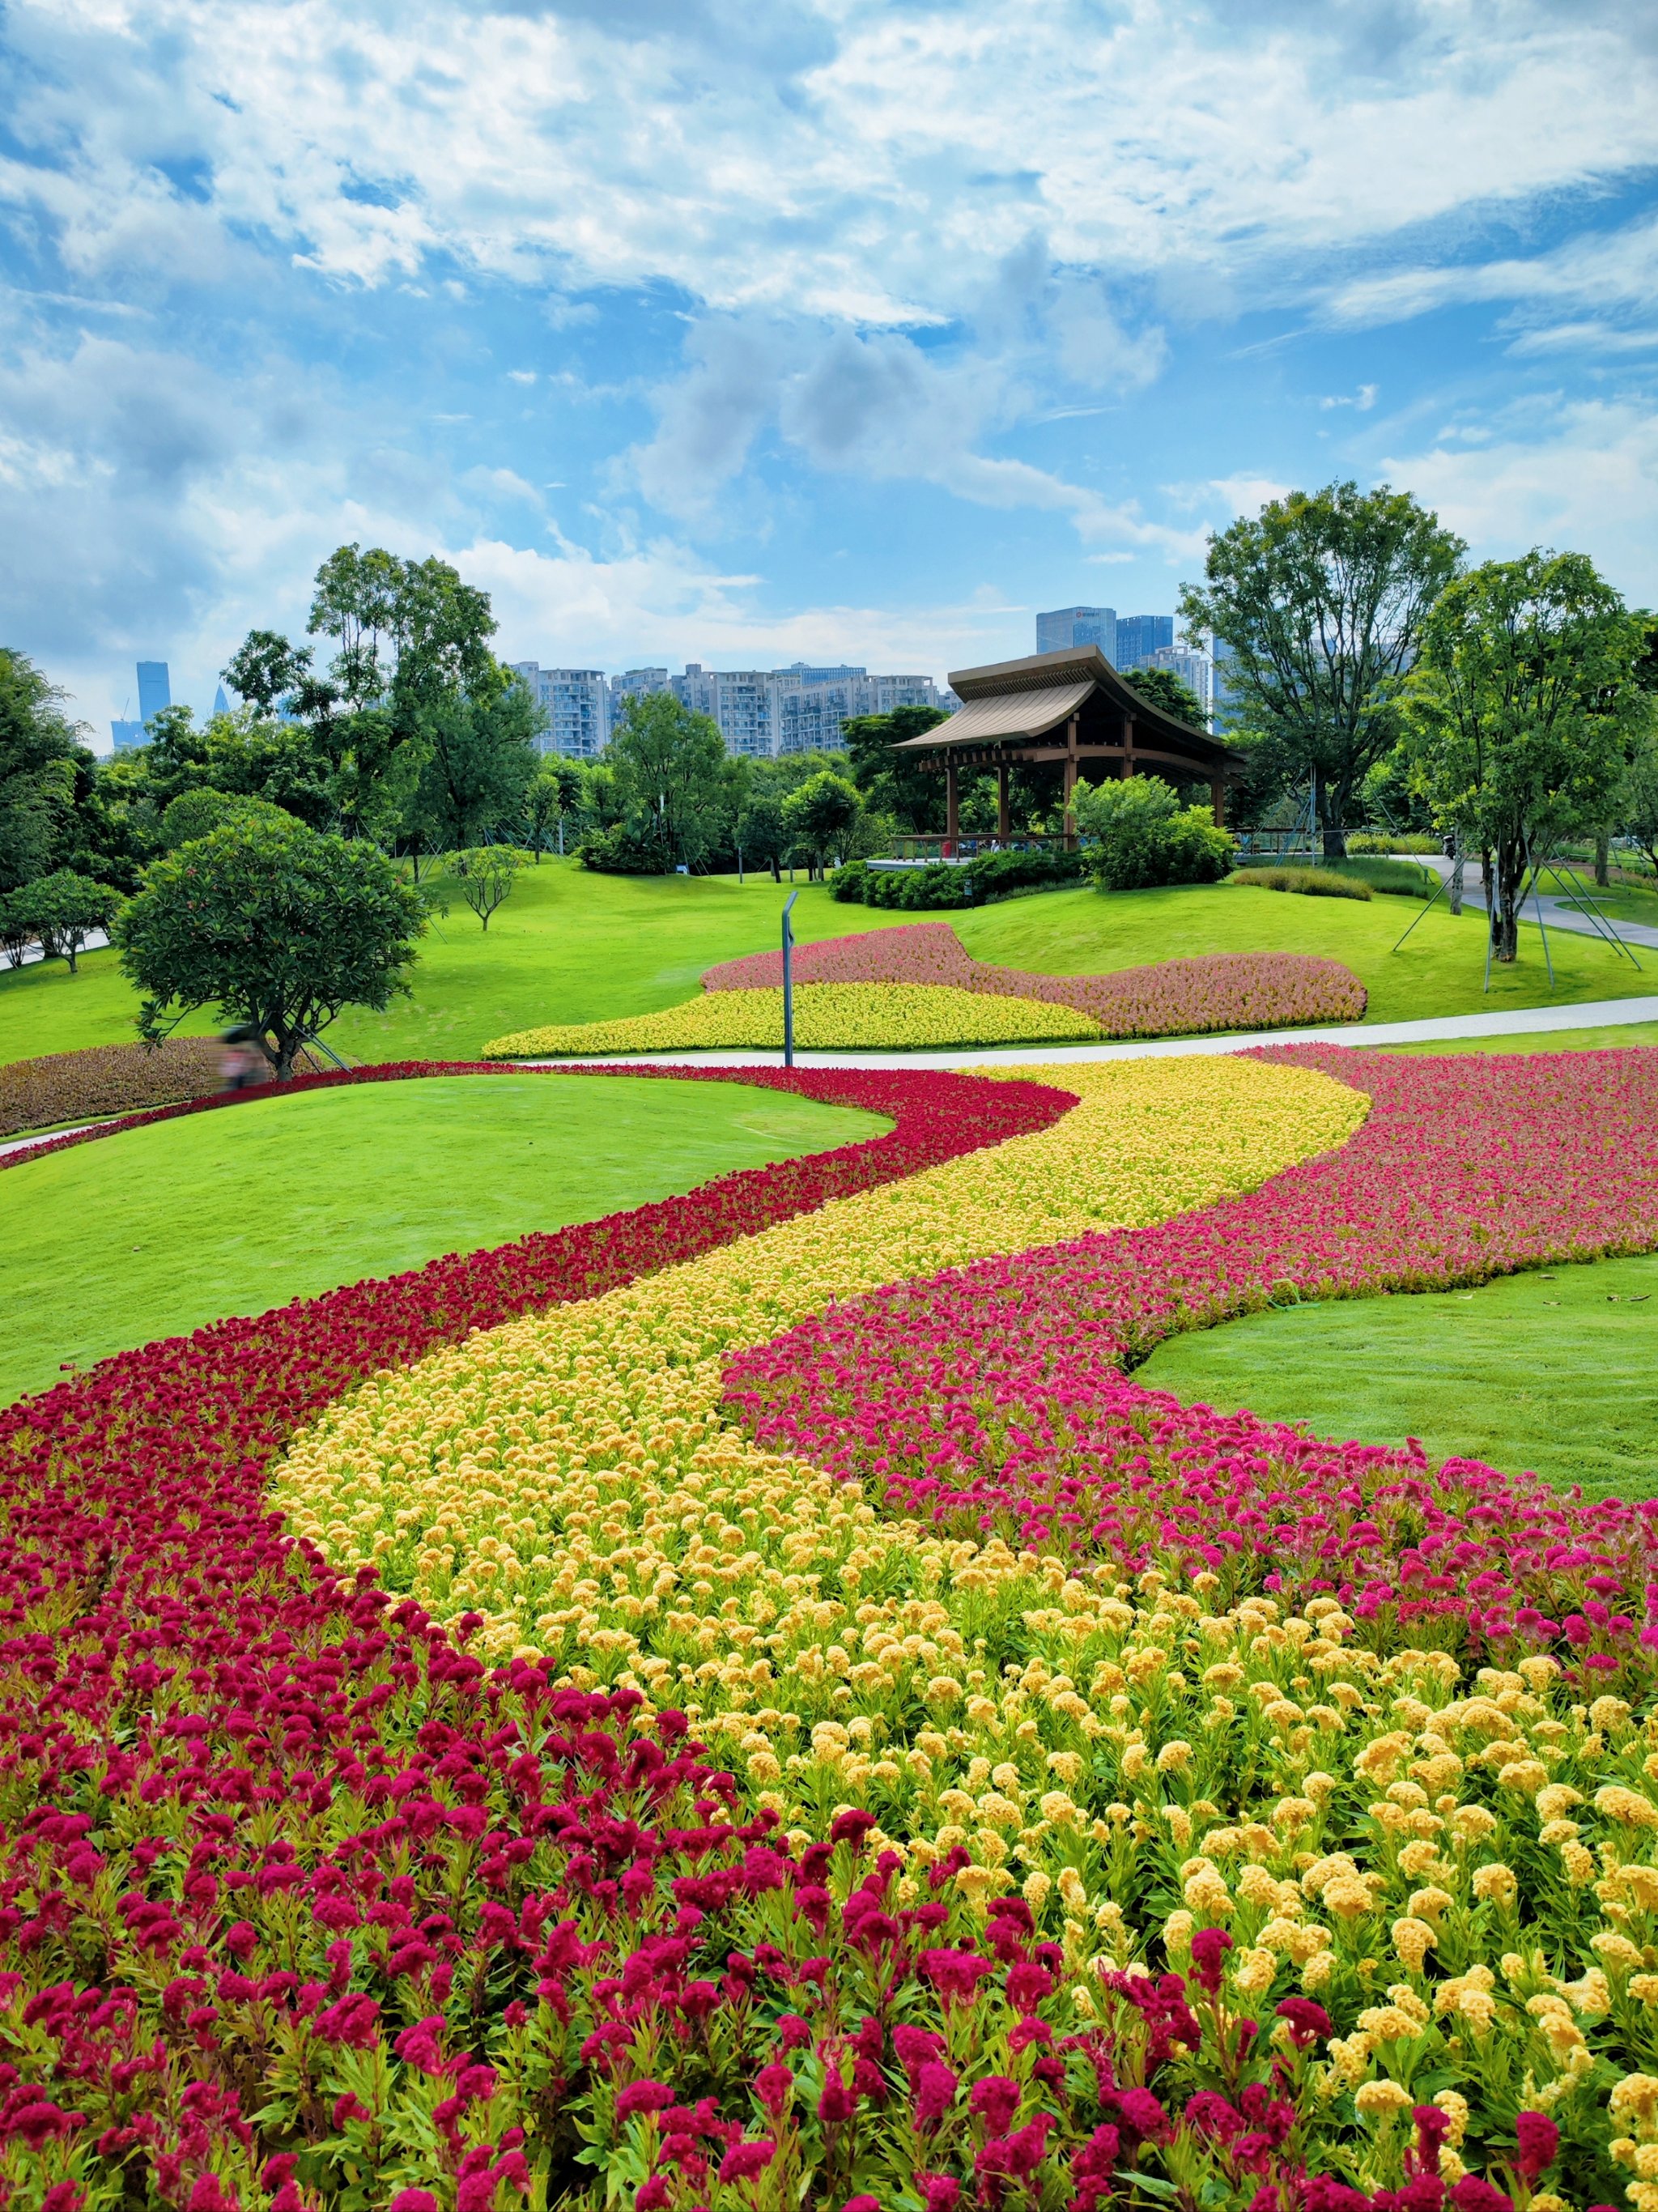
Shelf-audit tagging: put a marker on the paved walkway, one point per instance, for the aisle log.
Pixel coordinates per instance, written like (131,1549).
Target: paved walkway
(1557,914)
(1526,1021)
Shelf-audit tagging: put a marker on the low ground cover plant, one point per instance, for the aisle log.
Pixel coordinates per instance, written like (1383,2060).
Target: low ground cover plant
(1311,882)
(1219,991)
(1405,841)
(866,1016)
(110,1078)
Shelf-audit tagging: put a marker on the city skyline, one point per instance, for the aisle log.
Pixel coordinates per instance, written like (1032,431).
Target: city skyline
(858,338)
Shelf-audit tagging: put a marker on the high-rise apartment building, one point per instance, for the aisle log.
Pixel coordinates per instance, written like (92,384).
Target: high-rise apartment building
(1194,669)
(577,704)
(1064,627)
(1140,636)
(635,684)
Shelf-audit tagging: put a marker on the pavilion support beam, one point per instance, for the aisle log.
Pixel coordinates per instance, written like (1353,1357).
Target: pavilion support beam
(951,805)
(1071,785)
(1129,745)
(1003,816)
(1217,801)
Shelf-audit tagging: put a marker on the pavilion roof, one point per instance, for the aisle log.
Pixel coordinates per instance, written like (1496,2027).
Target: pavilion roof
(1027,698)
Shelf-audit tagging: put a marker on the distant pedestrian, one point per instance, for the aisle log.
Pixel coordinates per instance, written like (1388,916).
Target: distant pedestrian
(241,1065)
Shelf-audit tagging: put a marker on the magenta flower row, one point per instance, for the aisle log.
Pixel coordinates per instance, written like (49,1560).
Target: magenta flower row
(1000,1397)
(1218,991)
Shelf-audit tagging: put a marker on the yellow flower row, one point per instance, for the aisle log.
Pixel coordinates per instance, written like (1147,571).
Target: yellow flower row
(827,1017)
(1139,1760)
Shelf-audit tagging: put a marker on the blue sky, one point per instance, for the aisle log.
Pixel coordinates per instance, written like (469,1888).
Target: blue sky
(821,329)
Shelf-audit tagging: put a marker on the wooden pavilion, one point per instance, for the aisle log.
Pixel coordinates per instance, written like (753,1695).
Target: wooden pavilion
(1070,707)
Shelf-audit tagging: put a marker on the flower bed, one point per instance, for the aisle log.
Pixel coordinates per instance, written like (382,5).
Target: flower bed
(1006,1879)
(104,1079)
(1217,991)
(827,1017)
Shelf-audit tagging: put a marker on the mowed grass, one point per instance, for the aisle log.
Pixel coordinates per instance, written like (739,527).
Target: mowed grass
(569,946)
(1608,1037)
(1549,1372)
(156,1230)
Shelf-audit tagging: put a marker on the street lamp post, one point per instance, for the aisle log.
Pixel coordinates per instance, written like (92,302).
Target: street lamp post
(788,982)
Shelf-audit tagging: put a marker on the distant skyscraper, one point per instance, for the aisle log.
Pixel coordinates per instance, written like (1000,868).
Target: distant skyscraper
(155,692)
(1138,636)
(1069,626)
(1225,703)
(221,704)
(1195,670)
(127,735)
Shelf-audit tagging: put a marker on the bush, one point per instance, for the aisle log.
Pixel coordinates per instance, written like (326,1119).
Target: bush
(943,884)
(197,814)
(626,849)
(1142,836)
(1312,883)
(61,909)
(1378,840)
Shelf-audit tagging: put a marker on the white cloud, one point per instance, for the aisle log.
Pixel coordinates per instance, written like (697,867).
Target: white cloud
(1603,271)
(1579,477)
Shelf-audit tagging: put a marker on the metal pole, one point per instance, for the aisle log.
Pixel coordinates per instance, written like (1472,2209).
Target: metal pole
(1418,917)
(788,982)
(1537,902)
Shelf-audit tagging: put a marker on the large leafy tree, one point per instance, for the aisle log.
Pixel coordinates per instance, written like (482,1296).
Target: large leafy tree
(677,787)
(820,816)
(40,755)
(276,925)
(480,761)
(1524,708)
(891,783)
(1172,693)
(1322,598)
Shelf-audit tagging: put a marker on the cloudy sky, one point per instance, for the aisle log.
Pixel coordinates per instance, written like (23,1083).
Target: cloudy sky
(752,329)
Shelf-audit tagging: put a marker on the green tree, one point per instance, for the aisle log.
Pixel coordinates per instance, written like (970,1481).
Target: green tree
(265,668)
(62,909)
(1172,693)
(554,793)
(820,816)
(1322,598)
(485,876)
(40,751)
(199,813)
(480,763)
(277,925)
(677,788)
(892,782)
(761,838)
(1523,708)
(1140,834)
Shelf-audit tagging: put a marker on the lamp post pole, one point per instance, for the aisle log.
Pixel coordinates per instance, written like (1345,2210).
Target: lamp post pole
(788,982)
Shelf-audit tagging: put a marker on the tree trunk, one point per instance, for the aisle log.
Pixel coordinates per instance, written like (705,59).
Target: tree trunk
(1505,906)
(1602,855)
(1332,824)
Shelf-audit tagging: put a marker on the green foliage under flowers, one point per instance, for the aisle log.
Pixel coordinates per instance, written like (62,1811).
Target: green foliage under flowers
(1140,836)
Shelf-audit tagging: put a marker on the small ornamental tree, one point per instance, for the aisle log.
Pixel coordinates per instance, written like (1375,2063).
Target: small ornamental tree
(821,815)
(1140,834)
(277,925)
(62,909)
(1524,708)
(485,875)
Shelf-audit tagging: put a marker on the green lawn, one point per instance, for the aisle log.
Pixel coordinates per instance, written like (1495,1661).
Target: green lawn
(569,946)
(1549,1372)
(1622,902)
(155,1231)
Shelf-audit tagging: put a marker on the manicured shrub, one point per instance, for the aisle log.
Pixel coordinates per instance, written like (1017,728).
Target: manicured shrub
(943,885)
(1139,835)
(104,1079)
(1380,841)
(1311,882)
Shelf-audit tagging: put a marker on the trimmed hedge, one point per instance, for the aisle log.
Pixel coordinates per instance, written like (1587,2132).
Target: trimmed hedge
(943,884)
(1312,883)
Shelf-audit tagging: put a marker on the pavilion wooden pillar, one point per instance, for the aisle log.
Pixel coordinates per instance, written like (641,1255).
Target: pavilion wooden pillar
(1217,801)
(1127,745)
(952,809)
(1071,785)
(1004,818)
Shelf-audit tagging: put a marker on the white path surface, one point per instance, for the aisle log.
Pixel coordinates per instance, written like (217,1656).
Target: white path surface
(1597,1013)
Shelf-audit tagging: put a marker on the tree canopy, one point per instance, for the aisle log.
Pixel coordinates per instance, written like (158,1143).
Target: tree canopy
(1524,710)
(676,789)
(891,783)
(277,926)
(40,751)
(1322,598)
(1172,693)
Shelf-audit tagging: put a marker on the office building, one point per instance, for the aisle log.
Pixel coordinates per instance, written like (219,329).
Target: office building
(155,692)
(1059,631)
(1140,636)
(577,705)
(221,704)
(1194,669)
(1225,700)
